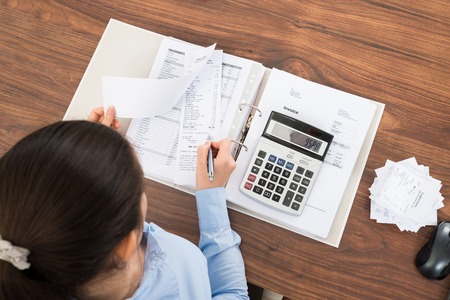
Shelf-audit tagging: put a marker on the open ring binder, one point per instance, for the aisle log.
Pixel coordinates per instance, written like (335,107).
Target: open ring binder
(327,218)
(251,106)
(245,129)
(240,144)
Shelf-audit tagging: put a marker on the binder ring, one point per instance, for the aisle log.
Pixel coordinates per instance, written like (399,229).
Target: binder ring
(240,144)
(251,106)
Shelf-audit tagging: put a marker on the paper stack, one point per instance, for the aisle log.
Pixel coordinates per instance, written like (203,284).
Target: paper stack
(405,194)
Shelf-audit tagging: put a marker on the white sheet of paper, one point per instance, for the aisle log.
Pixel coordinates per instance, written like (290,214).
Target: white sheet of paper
(149,97)
(346,116)
(235,71)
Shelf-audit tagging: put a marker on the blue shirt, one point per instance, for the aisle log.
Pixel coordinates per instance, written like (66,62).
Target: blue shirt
(177,269)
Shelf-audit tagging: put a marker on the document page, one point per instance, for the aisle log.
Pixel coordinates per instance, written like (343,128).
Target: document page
(235,73)
(346,116)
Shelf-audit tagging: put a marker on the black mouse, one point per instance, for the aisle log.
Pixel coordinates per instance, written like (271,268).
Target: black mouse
(433,260)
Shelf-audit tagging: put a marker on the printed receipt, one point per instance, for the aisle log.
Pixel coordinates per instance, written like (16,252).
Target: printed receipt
(405,194)
(200,118)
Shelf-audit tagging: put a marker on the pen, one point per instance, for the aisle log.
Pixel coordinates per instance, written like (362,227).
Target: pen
(210,165)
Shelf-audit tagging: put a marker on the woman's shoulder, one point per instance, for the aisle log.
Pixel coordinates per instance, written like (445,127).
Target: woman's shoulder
(174,267)
(170,243)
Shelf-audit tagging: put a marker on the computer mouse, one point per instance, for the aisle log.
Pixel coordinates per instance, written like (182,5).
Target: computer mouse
(433,260)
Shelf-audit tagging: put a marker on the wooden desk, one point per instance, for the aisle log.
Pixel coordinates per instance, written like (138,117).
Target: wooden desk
(395,52)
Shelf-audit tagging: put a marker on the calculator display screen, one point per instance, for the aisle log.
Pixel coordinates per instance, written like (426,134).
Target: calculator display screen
(296,137)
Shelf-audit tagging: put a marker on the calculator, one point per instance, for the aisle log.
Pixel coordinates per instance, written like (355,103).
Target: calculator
(285,163)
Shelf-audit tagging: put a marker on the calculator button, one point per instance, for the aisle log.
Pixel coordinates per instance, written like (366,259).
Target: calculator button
(274,178)
(251,177)
(293,186)
(267,194)
(277,170)
(282,181)
(255,170)
(288,198)
(305,181)
(248,186)
(270,186)
(262,182)
(265,174)
(289,166)
(257,189)
(309,174)
(302,190)
(258,162)
(296,178)
(295,206)
(261,154)
(300,170)
(276,197)
(281,162)
(279,190)
(269,166)
(286,173)
(298,198)
(272,158)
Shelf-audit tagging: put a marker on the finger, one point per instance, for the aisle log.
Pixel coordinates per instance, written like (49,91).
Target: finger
(116,124)
(224,147)
(109,116)
(95,114)
(202,156)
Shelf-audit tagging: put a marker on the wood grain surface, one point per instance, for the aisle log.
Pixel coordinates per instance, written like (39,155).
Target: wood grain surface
(395,52)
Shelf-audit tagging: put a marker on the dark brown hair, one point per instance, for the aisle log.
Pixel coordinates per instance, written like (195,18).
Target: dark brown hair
(69,193)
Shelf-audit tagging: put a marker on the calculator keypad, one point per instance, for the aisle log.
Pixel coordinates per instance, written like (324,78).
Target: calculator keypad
(277,181)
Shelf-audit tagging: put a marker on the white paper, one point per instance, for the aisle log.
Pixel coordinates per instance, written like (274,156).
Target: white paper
(346,116)
(235,71)
(405,194)
(149,97)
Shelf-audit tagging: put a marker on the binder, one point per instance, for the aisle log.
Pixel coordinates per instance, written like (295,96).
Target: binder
(125,50)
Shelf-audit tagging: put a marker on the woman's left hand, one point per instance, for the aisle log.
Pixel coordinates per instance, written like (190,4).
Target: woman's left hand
(108,119)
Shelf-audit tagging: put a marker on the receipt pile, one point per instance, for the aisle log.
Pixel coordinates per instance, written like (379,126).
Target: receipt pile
(404,194)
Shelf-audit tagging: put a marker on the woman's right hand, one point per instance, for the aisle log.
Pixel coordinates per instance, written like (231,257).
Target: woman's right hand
(108,119)
(224,164)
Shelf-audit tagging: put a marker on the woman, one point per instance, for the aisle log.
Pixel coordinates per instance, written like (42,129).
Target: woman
(72,222)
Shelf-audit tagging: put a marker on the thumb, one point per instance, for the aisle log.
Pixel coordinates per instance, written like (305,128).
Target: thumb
(109,116)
